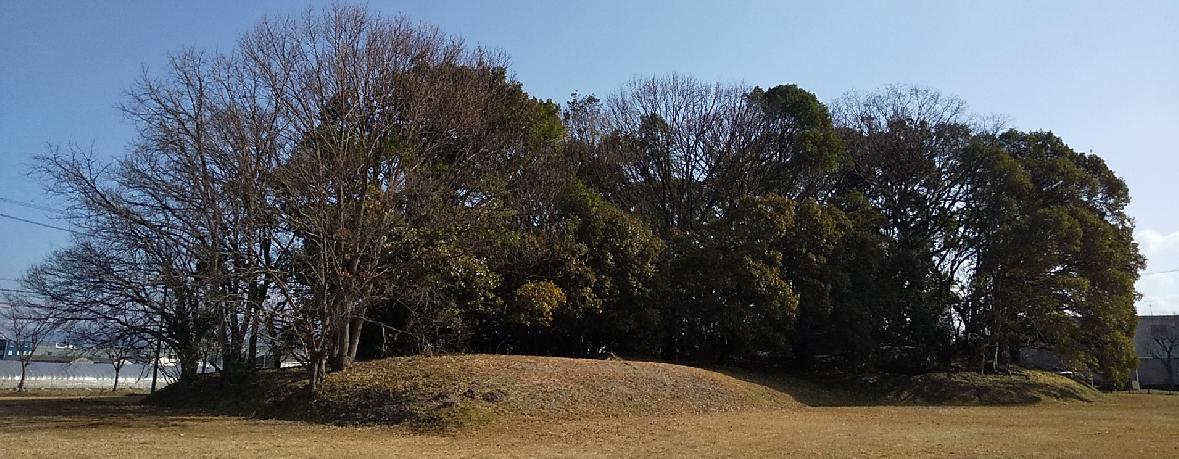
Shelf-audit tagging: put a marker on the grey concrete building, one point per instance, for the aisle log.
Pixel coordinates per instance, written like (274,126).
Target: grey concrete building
(1156,342)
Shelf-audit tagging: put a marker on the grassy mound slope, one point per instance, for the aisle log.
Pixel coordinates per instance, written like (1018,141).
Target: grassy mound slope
(452,391)
(455,391)
(1019,387)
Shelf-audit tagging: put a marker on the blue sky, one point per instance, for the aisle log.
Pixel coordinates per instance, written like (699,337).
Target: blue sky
(1102,75)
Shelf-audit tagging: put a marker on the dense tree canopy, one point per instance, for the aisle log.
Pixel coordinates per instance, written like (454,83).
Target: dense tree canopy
(346,186)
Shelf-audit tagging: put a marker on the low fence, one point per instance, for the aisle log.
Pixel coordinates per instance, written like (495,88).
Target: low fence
(53,375)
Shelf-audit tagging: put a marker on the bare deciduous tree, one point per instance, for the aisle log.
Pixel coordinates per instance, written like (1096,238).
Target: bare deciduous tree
(26,326)
(284,189)
(110,340)
(384,125)
(672,140)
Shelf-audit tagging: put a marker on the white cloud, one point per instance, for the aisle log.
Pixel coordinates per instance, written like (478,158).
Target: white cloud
(1159,285)
(1153,243)
(1158,305)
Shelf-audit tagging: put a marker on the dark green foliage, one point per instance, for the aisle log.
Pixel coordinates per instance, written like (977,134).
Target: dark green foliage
(800,148)
(810,262)
(609,270)
(1056,257)
(910,240)
(726,287)
(594,264)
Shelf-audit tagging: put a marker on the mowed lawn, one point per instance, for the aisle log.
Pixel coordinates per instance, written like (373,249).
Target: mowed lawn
(1120,425)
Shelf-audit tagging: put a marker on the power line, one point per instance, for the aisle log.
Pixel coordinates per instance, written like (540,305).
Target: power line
(1170,271)
(16,290)
(29,205)
(32,222)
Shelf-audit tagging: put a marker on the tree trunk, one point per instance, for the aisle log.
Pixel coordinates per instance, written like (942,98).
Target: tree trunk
(383,345)
(354,338)
(1014,353)
(276,344)
(189,361)
(1170,367)
(227,361)
(257,297)
(253,345)
(20,385)
(118,369)
(340,357)
(155,367)
(318,368)
(231,351)
(996,341)
(338,352)
(670,351)
(982,356)
(995,356)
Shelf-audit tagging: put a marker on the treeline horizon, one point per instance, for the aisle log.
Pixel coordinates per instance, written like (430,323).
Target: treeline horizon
(343,185)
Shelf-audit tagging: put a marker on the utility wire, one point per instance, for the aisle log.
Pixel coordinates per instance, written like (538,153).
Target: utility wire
(32,222)
(1170,271)
(16,290)
(29,205)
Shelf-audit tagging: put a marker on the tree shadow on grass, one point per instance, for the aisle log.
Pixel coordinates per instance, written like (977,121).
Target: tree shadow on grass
(31,414)
(805,390)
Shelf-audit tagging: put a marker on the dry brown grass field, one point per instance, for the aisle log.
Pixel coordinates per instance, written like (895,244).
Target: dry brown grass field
(1115,425)
(495,405)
